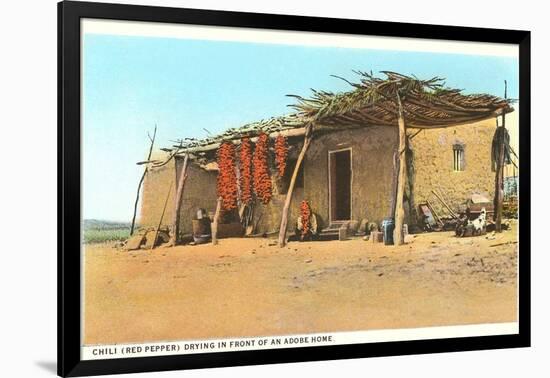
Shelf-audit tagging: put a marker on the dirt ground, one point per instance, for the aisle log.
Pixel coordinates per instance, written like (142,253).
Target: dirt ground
(250,287)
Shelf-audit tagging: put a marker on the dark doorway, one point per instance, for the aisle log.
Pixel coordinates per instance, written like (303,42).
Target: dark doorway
(340,185)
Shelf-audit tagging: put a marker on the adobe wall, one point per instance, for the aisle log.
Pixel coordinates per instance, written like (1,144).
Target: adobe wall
(156,185)
(269,216)
(372,153)
(372,164)
(372,157)
(433,161)
(199,192)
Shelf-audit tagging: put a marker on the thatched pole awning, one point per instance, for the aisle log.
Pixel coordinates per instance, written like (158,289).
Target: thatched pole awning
(427,104)
(290,125)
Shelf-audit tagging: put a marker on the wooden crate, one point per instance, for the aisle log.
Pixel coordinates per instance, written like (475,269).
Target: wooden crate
(230,230)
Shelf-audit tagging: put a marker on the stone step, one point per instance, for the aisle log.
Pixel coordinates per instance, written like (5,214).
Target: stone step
(333,227)
(327,236)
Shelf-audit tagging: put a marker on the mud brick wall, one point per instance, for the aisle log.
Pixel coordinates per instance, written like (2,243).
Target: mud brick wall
(199,192)
(270,215)
(372,153)
(153,195)
(372,156)
(372,165)
(433,160)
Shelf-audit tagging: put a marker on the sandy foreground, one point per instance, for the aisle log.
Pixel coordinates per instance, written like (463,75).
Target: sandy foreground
(250,287)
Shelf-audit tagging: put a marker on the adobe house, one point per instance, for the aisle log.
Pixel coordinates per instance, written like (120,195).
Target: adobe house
(374,152)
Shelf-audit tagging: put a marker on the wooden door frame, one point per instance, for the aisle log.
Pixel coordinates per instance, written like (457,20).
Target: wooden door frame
(330,152)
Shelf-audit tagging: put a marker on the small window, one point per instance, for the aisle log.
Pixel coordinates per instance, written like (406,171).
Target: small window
(458,157)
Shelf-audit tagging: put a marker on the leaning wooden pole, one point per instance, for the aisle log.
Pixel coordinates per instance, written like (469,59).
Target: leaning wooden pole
(177,206)
(141,181)
(288,199)
(215,221)
(499,174)
(161,217)
(398,237)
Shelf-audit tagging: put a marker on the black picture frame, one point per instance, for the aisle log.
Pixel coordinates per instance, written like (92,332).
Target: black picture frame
(69,193)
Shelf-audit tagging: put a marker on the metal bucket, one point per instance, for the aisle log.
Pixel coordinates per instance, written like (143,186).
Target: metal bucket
(388,225)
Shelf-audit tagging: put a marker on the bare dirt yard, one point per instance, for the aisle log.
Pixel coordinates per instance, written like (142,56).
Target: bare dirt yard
(250,287)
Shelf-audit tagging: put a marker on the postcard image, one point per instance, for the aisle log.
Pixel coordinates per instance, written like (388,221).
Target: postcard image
(252,189)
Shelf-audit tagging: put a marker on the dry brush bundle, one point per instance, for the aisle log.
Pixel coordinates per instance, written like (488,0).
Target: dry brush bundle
(227,179)
(281,153)
(305,213)
(245,158)
(262,179)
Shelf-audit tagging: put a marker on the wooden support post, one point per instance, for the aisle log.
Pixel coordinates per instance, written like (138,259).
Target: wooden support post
(214,226)
(398,237)
(177,206)
(152,139)
(394,179)
(288,199)
(161,217)
(499,174)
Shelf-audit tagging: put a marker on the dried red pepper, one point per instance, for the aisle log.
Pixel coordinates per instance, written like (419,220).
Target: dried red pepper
(281,152)
(262,178)
(305,213)
(227,178)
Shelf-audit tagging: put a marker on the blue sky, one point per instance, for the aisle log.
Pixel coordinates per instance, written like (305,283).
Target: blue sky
(185,86)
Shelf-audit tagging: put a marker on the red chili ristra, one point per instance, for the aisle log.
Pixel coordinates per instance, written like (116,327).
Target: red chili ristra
(281,152)
(305,212)
(227,179)
(262,178)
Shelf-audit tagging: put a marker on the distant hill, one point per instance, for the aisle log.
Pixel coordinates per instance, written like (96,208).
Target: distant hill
(96,224)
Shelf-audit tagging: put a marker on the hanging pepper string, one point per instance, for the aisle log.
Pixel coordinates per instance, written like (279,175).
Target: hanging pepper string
(281,152)
(262,178)
(227,179)
(305,213)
